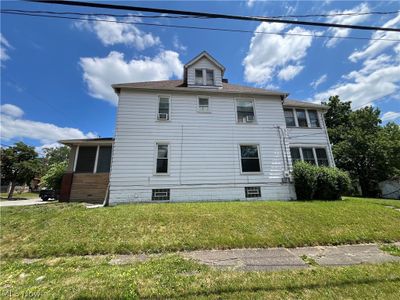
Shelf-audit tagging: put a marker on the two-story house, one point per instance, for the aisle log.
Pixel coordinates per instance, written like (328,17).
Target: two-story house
(198,139)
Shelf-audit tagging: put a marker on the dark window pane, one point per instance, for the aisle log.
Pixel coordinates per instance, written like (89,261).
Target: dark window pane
(162,151)
(199,76)
(104,160)
(163,107)
(210,77)
(252,192)
(295,153)
(301,117)
(250,165)
(244,108)
(160,194)
(322,157)
(249,151)
(289,117)
(162,165)
(308,155)
(86,158)
(313,116)
(203,101)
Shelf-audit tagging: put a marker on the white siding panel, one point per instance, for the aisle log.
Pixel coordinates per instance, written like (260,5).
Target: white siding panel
(204,158)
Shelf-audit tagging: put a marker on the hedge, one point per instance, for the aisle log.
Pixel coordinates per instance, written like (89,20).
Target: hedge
(323,183)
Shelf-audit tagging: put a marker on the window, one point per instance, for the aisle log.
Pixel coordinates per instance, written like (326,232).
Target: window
(160,194)
(198,76)
(104,159)
(86,159)
(295,154)
(162,159)
(245,111)
(249,158)
(252,192)
(209,77)
(308,155)
(289,117)
(313,116)
(203,104)
(322,157)
(163,109)
(301,117)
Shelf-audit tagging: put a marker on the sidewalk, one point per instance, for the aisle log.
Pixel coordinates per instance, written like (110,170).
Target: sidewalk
(285,258)
(23,202)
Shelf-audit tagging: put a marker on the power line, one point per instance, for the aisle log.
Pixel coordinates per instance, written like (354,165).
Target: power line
(164,16)
(196,27)
(209,15)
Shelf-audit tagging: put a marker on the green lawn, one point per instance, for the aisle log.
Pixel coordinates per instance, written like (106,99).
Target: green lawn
(173,277)
(21,196)
(71,229)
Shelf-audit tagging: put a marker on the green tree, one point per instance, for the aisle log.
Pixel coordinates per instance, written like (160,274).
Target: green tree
(54,155)
(53,177)
(361,146)
(19,164)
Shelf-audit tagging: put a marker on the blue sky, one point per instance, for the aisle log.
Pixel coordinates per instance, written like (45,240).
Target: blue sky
(56,74)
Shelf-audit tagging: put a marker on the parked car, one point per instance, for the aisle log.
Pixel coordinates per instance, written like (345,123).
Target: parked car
(48,194)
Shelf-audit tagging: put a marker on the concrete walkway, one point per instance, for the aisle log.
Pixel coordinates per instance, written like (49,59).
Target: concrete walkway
(285,258)
(23,202)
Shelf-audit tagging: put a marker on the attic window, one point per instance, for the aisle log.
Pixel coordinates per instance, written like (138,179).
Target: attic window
(210,77)
(204,76)
(199,76)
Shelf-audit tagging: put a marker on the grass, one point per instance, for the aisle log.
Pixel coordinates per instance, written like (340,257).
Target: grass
(173,277)
(71,229)
(391,249)
(20,196)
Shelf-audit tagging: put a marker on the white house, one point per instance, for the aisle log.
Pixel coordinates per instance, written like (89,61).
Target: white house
(200,139)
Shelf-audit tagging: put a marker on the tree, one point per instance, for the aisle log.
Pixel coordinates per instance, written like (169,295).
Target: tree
(361,146)
(19,164)
(53,177)
(54,156)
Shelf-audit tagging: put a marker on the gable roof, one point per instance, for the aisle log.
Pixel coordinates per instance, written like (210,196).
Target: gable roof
(180,86)
(209,57)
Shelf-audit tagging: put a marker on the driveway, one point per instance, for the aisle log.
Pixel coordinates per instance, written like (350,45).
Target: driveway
(23,202)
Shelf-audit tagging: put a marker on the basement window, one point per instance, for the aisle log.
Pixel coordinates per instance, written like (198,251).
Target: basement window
(160,194)
(253,192)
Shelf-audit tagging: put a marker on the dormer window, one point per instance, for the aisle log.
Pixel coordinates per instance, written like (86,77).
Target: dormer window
(204,77)
(210,77)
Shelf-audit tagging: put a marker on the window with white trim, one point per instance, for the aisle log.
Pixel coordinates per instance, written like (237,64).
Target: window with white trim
(245,111)
(252,192)
(289,117)
(203,104)
(162,159)
(322,157)
(313,117)
(250,160)
(308,155)
(198,74)
(209,77)
(301,117)
(104,159)
(163,109)
(160,194)
(295,154)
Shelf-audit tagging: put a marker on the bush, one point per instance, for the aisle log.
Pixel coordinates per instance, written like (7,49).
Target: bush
(324,183)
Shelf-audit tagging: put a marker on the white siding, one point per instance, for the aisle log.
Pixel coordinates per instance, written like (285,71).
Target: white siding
(311,137)
(204,63)
(204,149)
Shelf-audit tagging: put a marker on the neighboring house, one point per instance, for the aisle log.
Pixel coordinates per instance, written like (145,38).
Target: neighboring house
(199,139)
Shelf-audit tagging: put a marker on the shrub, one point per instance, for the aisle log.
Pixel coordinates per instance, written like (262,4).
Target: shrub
(305,180)
(52,179)
(324,183)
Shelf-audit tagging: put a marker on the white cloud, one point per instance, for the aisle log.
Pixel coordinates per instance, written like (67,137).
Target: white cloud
(268,53)
(178,45)
(347,20)
(250,3)
(4,47)
(111,33)
(318,81)
(390,116)
(100,73)
(13,126)
(11,110)
(377,78)
(376,47)
(289,72)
